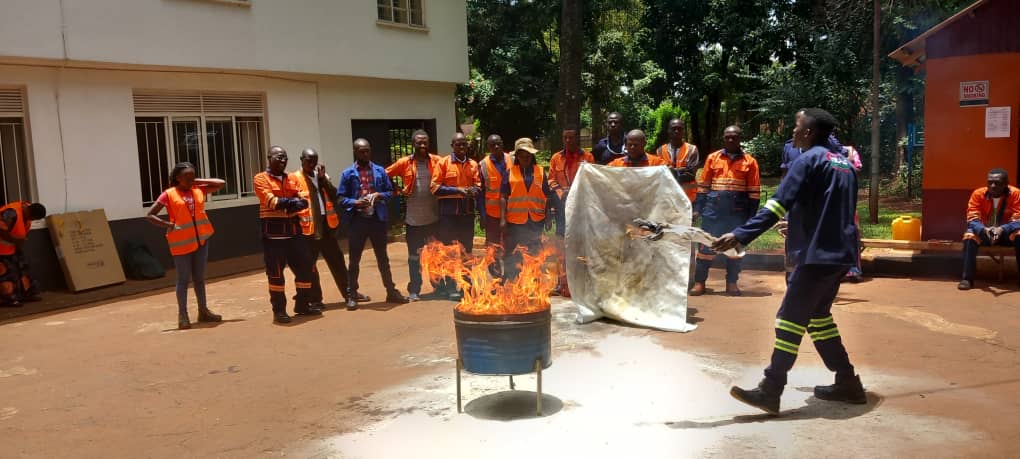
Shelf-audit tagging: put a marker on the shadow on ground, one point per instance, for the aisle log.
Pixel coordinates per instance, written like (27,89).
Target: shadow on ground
(512,405)
(815,409)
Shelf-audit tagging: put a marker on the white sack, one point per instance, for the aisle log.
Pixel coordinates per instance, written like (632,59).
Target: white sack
(610,274)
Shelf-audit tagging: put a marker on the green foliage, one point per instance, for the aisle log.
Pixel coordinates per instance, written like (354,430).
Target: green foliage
(767,149)
(655,123)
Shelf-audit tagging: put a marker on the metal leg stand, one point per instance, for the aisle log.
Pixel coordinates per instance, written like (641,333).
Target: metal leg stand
(538,369)
(459,366)
(512,386)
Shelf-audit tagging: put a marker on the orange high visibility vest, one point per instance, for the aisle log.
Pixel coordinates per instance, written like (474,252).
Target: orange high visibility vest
(20,230)
(269,189)
(191,232)
(690,188)
(493,182)
(306,216)
(525,202)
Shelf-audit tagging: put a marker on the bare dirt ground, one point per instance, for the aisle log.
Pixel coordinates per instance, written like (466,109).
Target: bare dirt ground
(117,380)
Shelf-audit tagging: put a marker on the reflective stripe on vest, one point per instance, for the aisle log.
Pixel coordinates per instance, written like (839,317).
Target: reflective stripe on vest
(190,233)
(525,202)
(20,230)
(493,182)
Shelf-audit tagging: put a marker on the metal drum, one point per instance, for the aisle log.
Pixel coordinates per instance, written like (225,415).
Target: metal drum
(508,344)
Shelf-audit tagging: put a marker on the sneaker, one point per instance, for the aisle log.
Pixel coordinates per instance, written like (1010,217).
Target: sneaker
(764,397)
(352,305)
(307,310)
(281,317)
(849,390)
(965,285)
(183,323)
(205,315)
(413,298)
(732,289)
(394,296)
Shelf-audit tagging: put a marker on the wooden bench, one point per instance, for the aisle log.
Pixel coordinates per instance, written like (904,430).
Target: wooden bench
(996,253)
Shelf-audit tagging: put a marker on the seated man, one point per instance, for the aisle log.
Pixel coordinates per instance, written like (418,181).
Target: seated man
(15,222)
(993,218)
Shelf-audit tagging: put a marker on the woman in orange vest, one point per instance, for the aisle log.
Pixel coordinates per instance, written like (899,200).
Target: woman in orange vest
(524,196)
(187,232)
(15,222)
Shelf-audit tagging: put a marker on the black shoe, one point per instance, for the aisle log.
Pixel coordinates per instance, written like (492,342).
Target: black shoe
(33,299)
(362,298)
(558,291)
(765,397)
(456,296)
(965,285)
(413,298)
(394,296)
(183,323)
(352,305)
(281,317)
(307,310)
(849,390)
(205,315)
(317,305)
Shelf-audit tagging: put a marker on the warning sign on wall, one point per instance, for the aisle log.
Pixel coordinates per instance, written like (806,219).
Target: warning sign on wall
(973,93)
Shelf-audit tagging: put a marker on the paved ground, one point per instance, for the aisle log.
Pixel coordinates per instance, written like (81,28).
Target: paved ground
(116,380)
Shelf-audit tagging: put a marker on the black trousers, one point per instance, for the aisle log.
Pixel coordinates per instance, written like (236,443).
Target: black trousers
(296,253)
(364,229)
(970,252)
(807,308)
(417,237)
(527,236)
(329,247)
(456,228)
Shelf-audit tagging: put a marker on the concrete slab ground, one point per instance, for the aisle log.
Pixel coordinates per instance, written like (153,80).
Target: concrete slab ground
(117,380)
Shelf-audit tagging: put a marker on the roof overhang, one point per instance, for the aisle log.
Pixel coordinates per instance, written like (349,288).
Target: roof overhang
(913,54)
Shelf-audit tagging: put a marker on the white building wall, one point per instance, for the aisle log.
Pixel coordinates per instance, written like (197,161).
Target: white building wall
(326,37)
(82,125)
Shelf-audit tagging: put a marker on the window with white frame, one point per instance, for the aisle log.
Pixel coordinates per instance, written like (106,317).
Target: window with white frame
(221,133)
(15,173)
(404,12)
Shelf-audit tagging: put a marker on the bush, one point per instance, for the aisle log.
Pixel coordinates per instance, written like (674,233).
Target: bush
(767,148)
(655,123)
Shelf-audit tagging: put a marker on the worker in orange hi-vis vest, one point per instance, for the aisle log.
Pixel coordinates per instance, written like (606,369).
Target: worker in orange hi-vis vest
(636,155)
(188,230)
(493,170)
(728,194)
(421,216)
(524,195)
(682,158)
(279,205)
(456,185)
(320,223)
(16,285)
(993,218)
(563,168)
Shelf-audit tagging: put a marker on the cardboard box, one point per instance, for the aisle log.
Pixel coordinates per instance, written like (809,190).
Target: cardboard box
(85,249)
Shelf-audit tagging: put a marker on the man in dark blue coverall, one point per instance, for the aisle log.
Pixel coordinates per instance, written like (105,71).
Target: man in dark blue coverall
(821,190)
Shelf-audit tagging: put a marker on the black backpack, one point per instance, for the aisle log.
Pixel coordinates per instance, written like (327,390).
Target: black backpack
(139,264)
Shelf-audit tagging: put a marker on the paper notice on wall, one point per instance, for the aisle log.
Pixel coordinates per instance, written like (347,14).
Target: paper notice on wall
(997,122)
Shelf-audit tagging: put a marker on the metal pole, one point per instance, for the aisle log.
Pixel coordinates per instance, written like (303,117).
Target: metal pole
(459,410)
(910,160)
(538,369)
(875,125)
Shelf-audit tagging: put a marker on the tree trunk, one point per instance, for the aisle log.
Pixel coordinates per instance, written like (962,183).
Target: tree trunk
(568,104)
(904,111)
(598,119)
(876,76)
(712,112)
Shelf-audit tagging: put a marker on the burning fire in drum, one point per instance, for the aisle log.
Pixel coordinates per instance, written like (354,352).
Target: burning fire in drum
(502,328)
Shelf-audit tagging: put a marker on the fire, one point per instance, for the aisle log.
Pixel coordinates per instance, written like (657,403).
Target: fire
(484,295)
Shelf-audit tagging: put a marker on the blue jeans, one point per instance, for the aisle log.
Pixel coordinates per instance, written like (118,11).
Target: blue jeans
(191,267)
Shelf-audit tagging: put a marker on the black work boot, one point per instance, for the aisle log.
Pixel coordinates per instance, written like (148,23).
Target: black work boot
(281,317)
(765,397)
(205,315)
(846,389)
(183,323)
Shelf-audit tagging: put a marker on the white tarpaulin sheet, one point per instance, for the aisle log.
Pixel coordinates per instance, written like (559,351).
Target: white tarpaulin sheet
(611,274)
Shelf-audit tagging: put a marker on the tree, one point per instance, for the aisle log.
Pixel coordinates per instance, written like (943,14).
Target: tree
(568,107)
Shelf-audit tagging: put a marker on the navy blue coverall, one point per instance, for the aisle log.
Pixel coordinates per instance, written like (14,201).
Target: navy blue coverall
(820,190)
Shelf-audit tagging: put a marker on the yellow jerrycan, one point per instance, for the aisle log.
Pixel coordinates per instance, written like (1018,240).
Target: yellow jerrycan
(906,228)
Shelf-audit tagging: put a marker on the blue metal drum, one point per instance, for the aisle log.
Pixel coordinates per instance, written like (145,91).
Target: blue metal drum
(503,344)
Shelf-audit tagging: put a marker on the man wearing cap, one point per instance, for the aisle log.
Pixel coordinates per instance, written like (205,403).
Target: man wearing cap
(493,170)
(523,200)
(636,155)
(456,183)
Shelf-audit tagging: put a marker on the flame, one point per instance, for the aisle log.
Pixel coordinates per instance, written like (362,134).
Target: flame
(483,294)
